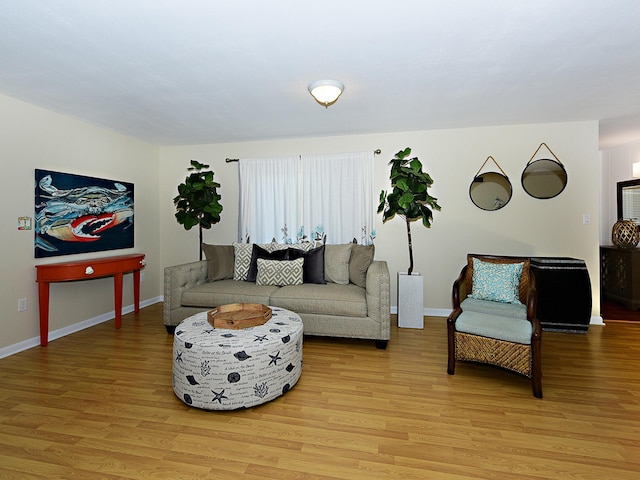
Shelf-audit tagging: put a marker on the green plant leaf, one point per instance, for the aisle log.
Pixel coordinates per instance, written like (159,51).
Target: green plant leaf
(198,202)
(409,197)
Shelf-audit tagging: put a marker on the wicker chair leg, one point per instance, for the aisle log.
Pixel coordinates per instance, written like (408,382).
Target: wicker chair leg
(536,364)
(537,386)
(451,344)
(451,364)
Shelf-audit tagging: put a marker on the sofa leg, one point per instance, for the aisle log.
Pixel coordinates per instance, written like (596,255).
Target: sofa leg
(381,344)
(170,329)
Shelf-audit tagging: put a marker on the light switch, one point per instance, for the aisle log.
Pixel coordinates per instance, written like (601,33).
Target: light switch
(586,218)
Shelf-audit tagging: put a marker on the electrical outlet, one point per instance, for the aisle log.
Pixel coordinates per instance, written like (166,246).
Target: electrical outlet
(22,304)
(142,276)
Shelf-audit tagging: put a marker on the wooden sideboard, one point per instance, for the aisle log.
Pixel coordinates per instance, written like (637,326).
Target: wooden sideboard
(620,275)
(114,267)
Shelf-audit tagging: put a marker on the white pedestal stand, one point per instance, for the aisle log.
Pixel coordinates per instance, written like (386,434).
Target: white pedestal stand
(410,300)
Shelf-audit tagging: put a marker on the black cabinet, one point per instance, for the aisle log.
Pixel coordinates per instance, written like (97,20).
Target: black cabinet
(620,275)
(564,293)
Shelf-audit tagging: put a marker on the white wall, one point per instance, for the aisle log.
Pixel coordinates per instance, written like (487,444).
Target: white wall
(526,226)
(30,138)
(617,166)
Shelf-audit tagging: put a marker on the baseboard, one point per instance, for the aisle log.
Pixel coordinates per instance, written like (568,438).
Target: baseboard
(76,327)
(427,312)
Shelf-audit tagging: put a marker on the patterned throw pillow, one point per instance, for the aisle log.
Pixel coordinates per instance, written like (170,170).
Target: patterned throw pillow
(497,282)
(242,257)
(242,260)
(279,272)
(259,252)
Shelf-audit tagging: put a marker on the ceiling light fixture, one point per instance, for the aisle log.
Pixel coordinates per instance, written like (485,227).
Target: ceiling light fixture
(326,92)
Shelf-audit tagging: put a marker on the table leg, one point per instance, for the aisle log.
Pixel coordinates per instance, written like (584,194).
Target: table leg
(43,303)
(117,290)
(136,290)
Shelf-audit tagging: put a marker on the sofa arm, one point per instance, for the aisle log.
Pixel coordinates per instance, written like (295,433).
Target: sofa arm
(378,296)
(179,278)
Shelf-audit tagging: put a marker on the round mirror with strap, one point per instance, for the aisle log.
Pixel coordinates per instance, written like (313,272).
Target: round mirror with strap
(490,190)
(544,178)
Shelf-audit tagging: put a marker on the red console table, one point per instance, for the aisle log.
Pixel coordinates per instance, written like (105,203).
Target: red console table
(85,269)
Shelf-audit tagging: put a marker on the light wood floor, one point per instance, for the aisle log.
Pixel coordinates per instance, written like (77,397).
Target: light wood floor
(98,404)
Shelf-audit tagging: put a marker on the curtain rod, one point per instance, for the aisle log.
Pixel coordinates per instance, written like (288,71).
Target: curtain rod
(230,160)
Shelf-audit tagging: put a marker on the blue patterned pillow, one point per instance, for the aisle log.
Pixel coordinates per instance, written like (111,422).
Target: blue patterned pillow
(498,282)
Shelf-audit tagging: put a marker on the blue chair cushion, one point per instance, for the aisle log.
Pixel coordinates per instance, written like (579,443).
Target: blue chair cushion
(513,310)
(492,326)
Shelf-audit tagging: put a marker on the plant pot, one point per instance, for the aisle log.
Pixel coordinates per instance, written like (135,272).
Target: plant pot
(410,300)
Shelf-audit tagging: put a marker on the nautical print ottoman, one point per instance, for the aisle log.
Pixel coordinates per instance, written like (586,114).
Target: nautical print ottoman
(221,369)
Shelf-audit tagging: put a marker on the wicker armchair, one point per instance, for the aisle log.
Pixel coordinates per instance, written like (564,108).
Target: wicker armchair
(507,335)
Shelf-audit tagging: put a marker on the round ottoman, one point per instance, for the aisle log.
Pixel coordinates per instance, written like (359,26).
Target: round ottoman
(221,369)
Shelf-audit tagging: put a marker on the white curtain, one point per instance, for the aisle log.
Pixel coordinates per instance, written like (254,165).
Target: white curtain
(268,199)
(337,192)
(312,197)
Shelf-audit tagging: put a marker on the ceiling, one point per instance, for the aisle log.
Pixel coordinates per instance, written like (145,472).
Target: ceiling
(174,72)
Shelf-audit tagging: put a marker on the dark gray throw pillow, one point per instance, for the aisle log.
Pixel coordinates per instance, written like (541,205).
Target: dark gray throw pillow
(259,252)
(313,266)
(220,261)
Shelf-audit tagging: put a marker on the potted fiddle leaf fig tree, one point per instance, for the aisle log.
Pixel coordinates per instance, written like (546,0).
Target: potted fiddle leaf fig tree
(410,200)
(198,201)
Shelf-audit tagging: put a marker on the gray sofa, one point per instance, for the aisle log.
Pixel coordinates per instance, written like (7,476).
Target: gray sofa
(343,309)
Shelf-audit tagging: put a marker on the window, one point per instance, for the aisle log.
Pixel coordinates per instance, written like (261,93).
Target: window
(311,197)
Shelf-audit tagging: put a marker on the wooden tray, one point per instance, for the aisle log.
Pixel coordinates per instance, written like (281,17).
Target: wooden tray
(236,316)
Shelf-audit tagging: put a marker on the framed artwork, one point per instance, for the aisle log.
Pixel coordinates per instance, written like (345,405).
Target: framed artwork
(79,214)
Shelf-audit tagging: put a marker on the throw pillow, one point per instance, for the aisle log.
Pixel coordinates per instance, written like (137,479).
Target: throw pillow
(259,252)
(336,263)
(279,272)
(361,259)
(313,266)
(220,261)
(497,282)
(524,277)
(305,246)
(242,261)
(273,246)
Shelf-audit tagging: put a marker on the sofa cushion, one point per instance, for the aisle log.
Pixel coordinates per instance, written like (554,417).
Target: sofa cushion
(211,294)
(514,310)
(328,299)
(279,272)
(492,326)
(219,261)
(313,266)
(361,258)
(336,263)
(498,282)
(259,252)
